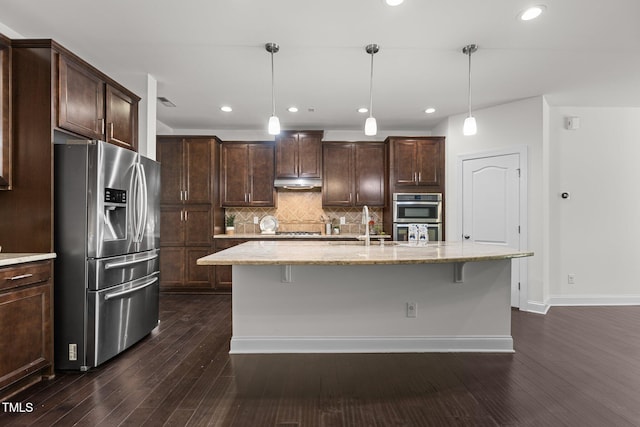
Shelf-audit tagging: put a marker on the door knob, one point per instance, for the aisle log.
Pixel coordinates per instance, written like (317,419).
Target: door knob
(467,237)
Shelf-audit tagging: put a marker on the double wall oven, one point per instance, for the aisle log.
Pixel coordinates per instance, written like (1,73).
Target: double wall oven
(417,208)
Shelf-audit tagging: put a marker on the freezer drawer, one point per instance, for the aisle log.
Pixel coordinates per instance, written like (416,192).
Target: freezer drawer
(106,272)
(120,316)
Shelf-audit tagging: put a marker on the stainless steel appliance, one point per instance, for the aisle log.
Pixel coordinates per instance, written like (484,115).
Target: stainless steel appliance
(417,208)
(107,239)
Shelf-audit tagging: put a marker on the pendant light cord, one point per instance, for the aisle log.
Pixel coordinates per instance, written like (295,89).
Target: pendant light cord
(371,88)
(470,81)
(273,90)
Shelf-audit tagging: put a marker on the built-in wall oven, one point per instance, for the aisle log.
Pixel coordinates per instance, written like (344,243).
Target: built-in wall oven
(417,208)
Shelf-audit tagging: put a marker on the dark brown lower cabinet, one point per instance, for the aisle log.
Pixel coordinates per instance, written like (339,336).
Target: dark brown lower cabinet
(180,273)
(26,326)
(223,272)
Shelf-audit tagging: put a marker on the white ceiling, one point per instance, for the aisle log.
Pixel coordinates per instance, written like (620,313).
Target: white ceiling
(208,53)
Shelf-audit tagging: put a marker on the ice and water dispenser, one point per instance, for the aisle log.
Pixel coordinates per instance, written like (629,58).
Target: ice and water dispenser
(115,214)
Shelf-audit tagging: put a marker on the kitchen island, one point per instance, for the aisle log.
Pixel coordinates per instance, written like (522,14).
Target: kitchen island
(295,297)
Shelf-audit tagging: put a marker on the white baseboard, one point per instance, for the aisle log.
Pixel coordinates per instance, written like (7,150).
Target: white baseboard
(587,300)
(480,344)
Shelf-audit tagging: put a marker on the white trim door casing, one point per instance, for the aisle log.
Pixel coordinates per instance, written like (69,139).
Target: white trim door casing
(493,203)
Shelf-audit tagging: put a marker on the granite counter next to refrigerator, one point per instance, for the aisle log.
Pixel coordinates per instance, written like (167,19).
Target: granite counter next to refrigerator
(7,259)
(341,297)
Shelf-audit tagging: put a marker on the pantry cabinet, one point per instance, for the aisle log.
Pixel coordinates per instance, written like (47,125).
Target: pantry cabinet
(299,154)
(26,325)
(247,174)
(189,214)
(92,107)
(354,174)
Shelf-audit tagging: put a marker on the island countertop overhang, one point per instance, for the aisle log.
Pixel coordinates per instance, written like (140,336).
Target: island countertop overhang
(355,253)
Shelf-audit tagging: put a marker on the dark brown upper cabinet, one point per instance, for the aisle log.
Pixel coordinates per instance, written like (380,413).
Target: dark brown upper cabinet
(187,169)
(121,118)
(94,108)
(6,139)
(246,174)
(417,162)
(299,154)
(354,174)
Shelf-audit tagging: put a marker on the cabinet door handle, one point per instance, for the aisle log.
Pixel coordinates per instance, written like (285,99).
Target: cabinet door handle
(419,176)
(110,131)
(415,177)
(101,124)
(186,195)
(22,276)
(186,215)
(181,215)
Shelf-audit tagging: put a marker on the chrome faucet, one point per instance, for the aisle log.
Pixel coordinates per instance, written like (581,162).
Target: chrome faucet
(365,220)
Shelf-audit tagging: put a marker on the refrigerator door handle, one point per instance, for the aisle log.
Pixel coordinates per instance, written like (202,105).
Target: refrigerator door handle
(139,203)
(130,291)
(145,202)
(111,265)
(134,202)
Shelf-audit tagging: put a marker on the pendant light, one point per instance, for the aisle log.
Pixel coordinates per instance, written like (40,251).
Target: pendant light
(469,127)
(370,125)
(274,122)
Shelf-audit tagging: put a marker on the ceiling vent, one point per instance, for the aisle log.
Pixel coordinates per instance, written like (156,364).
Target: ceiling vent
(165,101)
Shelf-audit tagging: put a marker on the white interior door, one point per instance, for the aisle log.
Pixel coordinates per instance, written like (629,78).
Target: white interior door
(491,206)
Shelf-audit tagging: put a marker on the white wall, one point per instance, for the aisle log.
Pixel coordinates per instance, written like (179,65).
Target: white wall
(594,232)
(515,124)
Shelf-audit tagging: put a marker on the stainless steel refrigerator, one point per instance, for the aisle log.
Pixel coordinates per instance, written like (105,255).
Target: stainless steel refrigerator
(107,240)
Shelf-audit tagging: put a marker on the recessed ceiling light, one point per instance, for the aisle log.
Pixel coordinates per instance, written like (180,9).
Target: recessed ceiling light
(363,110)
(393,2)
(532,13)
(430,110)
(226,109)
(292,109)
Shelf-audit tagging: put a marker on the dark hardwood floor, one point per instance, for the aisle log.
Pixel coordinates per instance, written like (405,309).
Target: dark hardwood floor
(575,366)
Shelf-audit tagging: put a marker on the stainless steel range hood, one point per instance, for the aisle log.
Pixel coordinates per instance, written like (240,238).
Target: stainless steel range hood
(297,183)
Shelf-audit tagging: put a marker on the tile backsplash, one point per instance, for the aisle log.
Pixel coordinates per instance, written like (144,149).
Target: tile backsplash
(303,211)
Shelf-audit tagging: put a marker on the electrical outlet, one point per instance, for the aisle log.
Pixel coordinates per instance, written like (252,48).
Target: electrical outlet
(73,351)
(571,279)
(412,309)
(343,221)
(256,220)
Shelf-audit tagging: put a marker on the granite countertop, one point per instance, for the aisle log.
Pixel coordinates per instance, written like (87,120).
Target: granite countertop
(255,236)
(7,259)
(348,253)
